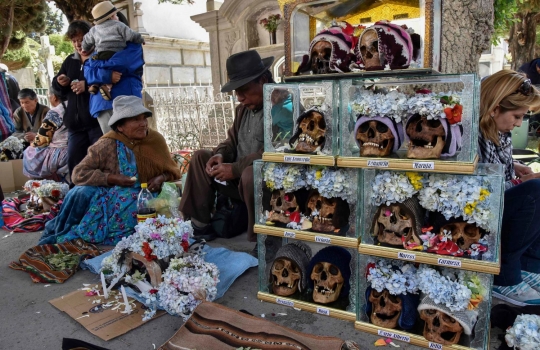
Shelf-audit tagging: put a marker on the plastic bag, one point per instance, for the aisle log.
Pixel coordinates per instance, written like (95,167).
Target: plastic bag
(167,202)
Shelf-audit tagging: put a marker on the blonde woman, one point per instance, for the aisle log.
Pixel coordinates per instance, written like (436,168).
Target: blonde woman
(506,96)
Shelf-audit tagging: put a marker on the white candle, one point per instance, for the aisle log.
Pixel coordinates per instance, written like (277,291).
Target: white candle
(104,286)
(128,307)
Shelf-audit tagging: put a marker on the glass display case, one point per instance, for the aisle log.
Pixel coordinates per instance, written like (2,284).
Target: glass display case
(307,20)
(310,276)
(441,219)
(410,123)
(409,313)
(312,203)
(301,123)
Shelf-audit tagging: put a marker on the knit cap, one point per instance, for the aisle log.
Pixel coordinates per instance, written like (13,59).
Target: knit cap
(466,318)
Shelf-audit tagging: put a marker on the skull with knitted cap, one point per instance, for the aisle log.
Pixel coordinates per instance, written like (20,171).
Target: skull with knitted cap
(330,274)
(288,273)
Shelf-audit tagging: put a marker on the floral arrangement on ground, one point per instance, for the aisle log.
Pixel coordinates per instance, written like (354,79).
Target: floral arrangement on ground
(47,188)
(525,333)
(11,148)
(187,278)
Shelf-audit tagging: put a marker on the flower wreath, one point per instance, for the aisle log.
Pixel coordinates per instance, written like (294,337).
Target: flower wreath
(47,188)
(525,333)
(458,290)
(186,282)
(452,196)
(393,187)
(397,277)
(331,183)
(370,104)
(283,176)
(435,106)
(155,239)
(14,145)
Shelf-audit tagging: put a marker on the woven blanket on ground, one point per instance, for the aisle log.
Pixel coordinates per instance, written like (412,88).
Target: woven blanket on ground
(213,326)
(15,221)
(34,260)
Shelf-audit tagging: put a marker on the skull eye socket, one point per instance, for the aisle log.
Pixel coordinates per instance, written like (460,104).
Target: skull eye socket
(333,270)
(327,53)
(374,46)
(382,128)
(294,268)
(364,127)
(322,123)
(448,319)
(471,230)
(403,215)
(433,123)
(318,268)
(288,197)
(394,299)
(363,49)
(431,312)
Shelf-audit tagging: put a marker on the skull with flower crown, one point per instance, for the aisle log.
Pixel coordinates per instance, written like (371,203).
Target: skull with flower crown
(327,214)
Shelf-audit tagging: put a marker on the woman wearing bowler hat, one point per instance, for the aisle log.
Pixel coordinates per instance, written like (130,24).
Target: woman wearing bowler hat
(227,169)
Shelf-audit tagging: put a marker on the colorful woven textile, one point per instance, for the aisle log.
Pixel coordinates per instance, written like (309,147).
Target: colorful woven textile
(6,119)
(34,260)
(15,221)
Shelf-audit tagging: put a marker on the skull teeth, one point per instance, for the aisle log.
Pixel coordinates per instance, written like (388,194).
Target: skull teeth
(307,139)
(371,144)
(321,218)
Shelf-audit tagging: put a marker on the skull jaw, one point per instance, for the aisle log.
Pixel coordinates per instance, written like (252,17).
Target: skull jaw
(445,338)
(418,151)
(382,319)
(279,217)
(308,146)
(439,331)
(389,237)
(323,225)
(321,66)
(323,293)
(284,289)
(369,149)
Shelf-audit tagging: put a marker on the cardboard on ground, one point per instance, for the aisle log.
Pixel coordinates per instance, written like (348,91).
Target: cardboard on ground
(104,323)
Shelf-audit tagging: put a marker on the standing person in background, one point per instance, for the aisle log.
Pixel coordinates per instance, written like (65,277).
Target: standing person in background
(532,69)
(29,116)
(83,129)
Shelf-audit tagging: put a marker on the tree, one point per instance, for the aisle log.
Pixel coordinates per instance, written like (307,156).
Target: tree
(17,16)
(467,27)
(54,23)
(522,35)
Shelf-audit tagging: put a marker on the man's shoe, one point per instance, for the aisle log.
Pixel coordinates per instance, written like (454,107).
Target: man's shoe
(207,233)
(532,279)
(520,294)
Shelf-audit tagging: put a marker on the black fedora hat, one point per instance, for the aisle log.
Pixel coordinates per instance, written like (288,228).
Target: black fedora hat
(243,67)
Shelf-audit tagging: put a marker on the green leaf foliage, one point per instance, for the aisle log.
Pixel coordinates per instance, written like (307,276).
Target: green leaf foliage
(61,45)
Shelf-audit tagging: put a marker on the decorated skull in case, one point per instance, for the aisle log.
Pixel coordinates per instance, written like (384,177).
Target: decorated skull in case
(377,136)
(327,214)
(289,271)
(330,274)
(283,206)
(310,135)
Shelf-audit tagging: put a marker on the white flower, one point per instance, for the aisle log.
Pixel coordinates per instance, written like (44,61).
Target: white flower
(44,188)
(332,183)
(389,187)
(284,176)
(392,104)
(14,145)
(430,105)
(395,276)
(525,333)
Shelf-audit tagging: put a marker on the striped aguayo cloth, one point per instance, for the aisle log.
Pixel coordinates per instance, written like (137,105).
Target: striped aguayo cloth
(15,221)
(33,260)
(213,326)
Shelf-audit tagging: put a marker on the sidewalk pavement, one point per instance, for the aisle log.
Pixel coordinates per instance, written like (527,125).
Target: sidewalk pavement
(28,321)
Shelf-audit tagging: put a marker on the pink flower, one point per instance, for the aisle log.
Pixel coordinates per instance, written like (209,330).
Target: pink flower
(156,236)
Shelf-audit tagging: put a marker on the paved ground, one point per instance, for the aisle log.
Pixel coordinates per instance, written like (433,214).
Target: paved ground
(29,322)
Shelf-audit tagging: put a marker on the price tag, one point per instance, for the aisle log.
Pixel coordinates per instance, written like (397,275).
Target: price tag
(284,302)
(394,336)
(289,234)
(378,163)
(297,159)
(436,346)
(449,262)
(324,240)
(323,311)
(406,256)
(424,165)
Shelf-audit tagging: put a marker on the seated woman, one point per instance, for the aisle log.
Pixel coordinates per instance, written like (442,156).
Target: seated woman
(102,208)
(46,158)
(505,98)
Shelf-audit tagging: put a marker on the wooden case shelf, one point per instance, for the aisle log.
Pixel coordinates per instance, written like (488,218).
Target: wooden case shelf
(295,158)
(346,242)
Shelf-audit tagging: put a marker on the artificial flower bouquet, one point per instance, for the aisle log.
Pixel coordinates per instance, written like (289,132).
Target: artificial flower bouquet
(44,194)
(157,261)
(271,22)
(309,198)
(11,148)
(446,214)
(524,333)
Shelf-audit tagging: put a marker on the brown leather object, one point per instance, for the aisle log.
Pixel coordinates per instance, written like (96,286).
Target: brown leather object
(213,326)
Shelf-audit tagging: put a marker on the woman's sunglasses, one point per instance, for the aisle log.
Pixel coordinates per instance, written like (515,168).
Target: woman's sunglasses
(525,88)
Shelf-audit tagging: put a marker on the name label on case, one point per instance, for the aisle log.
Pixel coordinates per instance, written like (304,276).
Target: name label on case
(289,234)
(406,256)
(378,163)
(284,302)
(296,159)
(394,336)
(449,262)
(324,240)
(436,346)
(424,165)
(323,311)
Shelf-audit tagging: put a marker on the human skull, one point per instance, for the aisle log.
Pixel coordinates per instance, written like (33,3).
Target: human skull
(320,57)
(322,211)
(285,277)
(312,130)
(328,281)
(426,137)
(463,233)
(369,49)
(283,205)
(385,308)
(375,139)
(153,269)
(440,327)
(394,222)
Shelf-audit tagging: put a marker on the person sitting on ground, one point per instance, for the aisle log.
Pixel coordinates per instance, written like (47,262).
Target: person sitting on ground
(282,114)
(46,158)
(29,116)
(107,37)
(102,208)
(505,98)
(228,168)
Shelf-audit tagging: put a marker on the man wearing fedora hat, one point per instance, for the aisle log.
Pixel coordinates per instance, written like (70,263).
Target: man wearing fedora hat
(227,169)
